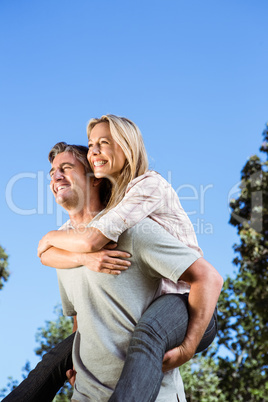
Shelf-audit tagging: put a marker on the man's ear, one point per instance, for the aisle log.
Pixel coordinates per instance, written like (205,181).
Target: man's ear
(96,182)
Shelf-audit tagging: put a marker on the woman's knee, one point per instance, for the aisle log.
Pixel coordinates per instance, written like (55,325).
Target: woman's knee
(164,323)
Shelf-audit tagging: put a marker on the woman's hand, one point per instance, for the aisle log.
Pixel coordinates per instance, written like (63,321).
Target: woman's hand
(107,260)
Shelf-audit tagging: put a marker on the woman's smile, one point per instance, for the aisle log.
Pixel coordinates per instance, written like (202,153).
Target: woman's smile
(105,156)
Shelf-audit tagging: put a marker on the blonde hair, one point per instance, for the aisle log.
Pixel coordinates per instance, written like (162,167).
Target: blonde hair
(129,138)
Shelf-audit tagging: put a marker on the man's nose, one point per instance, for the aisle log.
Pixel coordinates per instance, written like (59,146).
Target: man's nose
(58,174)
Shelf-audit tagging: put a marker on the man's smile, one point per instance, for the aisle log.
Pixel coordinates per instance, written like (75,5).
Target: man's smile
(61,187)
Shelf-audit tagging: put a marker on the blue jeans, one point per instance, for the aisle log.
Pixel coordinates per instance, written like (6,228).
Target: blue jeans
(162,327)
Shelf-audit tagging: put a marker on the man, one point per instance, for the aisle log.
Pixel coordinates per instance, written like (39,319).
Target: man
(107,308)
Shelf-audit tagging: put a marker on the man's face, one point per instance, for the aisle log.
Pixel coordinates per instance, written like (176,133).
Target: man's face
(69,183)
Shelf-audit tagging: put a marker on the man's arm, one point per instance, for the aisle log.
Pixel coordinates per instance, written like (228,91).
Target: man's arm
(74,323)
(206,284)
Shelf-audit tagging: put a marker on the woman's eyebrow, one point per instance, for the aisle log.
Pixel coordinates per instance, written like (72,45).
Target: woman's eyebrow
(100,138)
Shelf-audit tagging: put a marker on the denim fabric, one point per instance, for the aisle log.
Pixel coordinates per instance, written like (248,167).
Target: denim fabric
(47,378)
(162,327)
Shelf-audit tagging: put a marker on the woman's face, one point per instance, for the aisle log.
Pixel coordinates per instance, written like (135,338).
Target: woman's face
(105,156)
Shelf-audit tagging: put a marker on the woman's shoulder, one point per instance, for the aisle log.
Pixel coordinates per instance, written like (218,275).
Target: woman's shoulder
(150,177)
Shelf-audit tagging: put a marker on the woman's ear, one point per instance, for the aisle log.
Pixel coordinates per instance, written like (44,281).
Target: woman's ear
(96,182)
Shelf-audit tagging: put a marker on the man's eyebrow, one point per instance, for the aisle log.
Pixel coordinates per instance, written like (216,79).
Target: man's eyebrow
(61,166)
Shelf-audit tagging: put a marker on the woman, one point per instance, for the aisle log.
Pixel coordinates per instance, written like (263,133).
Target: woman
(116,152)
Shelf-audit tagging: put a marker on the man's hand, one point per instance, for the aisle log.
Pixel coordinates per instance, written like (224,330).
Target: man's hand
(177,357)
(206,284)
(107,260)
(71,375)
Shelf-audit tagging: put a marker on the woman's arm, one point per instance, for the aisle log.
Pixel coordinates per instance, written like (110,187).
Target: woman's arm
(105,261)
(140,201)
(144,195)
(206,284)
(57,258)
(89,241)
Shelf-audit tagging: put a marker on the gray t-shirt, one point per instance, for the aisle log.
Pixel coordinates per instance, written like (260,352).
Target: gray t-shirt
(108,307)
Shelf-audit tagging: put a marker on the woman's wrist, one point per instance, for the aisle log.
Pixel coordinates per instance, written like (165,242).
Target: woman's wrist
(79,259)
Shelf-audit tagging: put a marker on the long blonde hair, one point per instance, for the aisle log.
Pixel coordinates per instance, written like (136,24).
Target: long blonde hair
(129,138)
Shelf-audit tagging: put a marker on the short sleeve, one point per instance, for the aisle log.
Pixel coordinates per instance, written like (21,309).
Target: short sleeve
(144,196)
(159,254)
(67,306)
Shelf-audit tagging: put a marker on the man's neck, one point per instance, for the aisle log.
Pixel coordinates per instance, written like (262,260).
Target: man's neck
(85,216)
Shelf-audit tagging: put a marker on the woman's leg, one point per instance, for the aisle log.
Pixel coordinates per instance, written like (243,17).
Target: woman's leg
(46,379)
(162,327)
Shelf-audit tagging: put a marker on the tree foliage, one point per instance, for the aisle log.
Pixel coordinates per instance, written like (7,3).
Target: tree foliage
(53,332)
(4,272)
(244,300)
(201,383)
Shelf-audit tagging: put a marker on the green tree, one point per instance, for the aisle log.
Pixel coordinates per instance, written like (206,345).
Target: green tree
(4,272)
(243,302)
(200,379)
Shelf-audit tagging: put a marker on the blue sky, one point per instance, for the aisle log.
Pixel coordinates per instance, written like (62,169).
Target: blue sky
(192,75)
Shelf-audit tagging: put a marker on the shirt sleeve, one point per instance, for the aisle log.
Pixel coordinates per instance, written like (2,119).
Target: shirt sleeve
(67,306)
(144,197)
(159,254)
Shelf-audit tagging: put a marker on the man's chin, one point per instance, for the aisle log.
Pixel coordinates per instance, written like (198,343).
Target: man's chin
(60,200)
(64,202)
(68,203)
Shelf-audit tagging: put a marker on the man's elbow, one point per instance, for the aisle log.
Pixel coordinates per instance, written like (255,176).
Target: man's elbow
(221,281)
(214,279)
(201,271)
(218,281)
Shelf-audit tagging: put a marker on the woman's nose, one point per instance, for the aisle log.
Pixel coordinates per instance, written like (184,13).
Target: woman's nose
(96,149)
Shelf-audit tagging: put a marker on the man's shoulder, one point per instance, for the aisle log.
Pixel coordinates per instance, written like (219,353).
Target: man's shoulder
(148,229)
(149,233)
(66,225)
